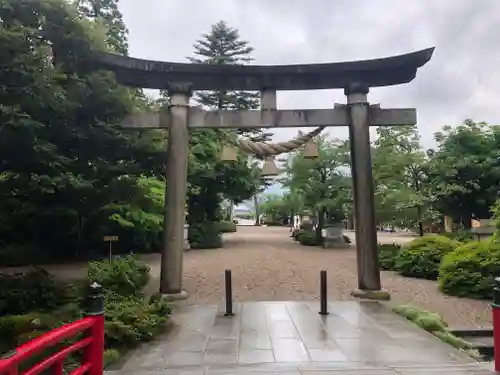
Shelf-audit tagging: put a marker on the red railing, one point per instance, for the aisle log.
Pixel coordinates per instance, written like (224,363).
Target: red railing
(92,345)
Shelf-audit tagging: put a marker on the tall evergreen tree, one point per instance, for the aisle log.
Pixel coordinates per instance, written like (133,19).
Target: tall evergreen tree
(223,46)
(107,12)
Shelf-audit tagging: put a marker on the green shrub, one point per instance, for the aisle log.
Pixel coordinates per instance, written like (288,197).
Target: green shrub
(124,275)
(14,327)
(272,223)
(387,254)
(131,320)
(461,235)
(34,290)
(227,227)
(308,238)
(205,235)
(306,225)
(111,356)
(469,271)
(422,256)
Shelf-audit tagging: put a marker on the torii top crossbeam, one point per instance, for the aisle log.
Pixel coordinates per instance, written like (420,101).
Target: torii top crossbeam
(157,74)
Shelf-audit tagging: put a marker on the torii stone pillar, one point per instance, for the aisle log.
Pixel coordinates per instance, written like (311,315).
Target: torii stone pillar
(364,201)
(176,190)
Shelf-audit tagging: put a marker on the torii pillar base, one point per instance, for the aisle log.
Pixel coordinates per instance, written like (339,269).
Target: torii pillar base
(170,297)
(373,295)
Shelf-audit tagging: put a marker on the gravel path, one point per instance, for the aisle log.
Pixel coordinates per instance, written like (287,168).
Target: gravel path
(268,265)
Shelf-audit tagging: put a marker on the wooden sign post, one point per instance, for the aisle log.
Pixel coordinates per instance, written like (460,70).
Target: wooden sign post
(110,239)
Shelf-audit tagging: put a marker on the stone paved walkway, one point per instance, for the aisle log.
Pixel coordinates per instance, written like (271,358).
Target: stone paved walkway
(292,338)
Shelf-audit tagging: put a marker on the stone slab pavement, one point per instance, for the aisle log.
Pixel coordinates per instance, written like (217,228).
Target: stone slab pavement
(292,338)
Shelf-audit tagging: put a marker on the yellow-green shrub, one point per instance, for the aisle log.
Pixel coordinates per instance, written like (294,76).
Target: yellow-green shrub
(469,270)
(422,256)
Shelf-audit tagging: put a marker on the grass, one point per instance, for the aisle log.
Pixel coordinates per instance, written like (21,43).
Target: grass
(435,324)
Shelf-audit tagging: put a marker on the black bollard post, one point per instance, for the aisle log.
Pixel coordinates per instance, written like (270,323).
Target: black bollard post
(322,293)
(229,293)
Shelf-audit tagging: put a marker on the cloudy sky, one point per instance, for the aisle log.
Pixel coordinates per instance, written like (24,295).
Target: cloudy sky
(462,79)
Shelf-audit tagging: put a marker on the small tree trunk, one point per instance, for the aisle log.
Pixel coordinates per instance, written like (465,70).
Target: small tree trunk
(466,221)
(320,225)
(231,210)
(257,211)
(420,224)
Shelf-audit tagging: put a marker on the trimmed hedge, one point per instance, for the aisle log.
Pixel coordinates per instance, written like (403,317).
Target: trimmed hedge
(461,235)
(205,235)
(126,276)
(308,238)
(227,227)
(469,270)
(387,254)
(422,256)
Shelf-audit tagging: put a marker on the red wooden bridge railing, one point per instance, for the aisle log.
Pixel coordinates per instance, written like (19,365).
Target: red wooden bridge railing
(92,344)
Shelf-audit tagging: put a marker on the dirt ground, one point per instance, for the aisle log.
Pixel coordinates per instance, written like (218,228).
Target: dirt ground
(267,264)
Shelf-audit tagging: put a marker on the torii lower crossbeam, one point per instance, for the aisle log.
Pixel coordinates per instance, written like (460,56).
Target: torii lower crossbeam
(273,118)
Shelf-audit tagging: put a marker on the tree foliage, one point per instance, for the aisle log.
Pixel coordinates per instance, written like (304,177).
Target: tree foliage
(106,12)
(63,164)
(400,177)
(224,46)
(322,185)
(68,175)
(464,171)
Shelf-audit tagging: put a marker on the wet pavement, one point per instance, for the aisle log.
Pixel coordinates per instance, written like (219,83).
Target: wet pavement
(292,338)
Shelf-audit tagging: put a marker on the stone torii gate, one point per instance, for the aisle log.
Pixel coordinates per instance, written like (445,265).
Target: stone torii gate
(355,77)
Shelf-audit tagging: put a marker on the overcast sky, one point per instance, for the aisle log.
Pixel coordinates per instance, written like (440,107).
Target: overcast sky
(462,79)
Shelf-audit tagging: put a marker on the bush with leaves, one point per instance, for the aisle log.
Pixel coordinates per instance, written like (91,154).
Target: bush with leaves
(227,227)
(308,238)
(461,235)
(387,254)
(469,271)
(422,256)
(131,320)
(34,290)
(126,276)
(205,235)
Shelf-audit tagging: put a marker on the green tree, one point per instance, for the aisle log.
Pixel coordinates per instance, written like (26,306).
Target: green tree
(464,172)
(399,175)
(323,184)
(278,209)
(63,165)
(107,13)
(222,45)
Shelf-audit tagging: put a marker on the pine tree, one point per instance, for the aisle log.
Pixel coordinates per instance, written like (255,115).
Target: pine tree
(223,46)
(107,12)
